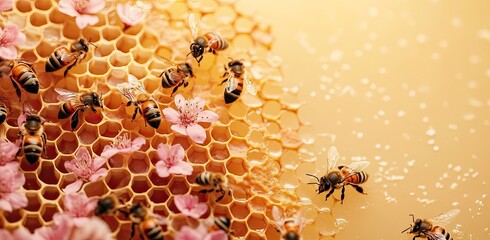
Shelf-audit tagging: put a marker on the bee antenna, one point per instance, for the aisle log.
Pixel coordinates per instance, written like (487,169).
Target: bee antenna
(231,59)
(407,229)
(413,217)
(311,175)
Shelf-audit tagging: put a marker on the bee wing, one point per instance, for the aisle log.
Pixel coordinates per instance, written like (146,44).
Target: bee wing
(166,60)
(358,166)
(299,220)
(65,95)
(136,84)
(250,85)
(435,236)
(333,158)
(161,220)
(69,56)
(126,90)
(278,217)
(445,218)
(214,39)
(193,25)
(231,83)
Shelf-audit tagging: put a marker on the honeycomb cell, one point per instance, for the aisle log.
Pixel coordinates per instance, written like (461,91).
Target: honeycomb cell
(139,163)
(238,110)
(221,133)
(119,59)
(216,167)
(148,40)
(184,141)
(109,129)
(255,156)
(87,134)
(157,180)
(26,166)
(325,224)
(103,50)
(236,166)
(155,141)
(239,210)
(112,222)
(98,67)
(93,118)
(257,222)
(99,145)
(47,212)
(239,128)
(24,6)
(34,203)
(239,228)
(32,222)
(48,175)
(219,151)
(70,30)
(94,34)
(32,182)
(140,184)
(118,178)
(197,154)
(158,195)
(178,185)
(238,147)
(13,216)
(97,188)
(68,143)
(50,193)
(258,203)
(45,49)
(287,181)
(52,131)
(244,25)
(141,56)
(272,233)
(125,44)
(110,34)
(38,19)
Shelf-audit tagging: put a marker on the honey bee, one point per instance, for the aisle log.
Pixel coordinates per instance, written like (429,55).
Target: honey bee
(176,75)
(33,138)
(21,73)
(216,180)
(4,112)
(63,56)
(211,40)
(432,228)
(290,228)
(236,77)
(335,179)
(73,103)
(145,104)
(149,225)
(110,205)
(222,223)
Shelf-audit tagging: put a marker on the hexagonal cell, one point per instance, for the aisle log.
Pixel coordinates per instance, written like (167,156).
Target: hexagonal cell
(254,236)
(238,110)
(44,49)
(140,184)
(157,140)
(219,151)
(257,222)
(68,143)
(50,193)
(139,162)
(197,154)
(24,6)
(48,211)
(157,180)
(110,129)
(239,128)
(178,185)
(141,56)
(26,166)
(238,147)
(38,19)
(32,182)
(184,141)
(220,133)
(43,4)
(13,216)
(93,33)
(32,222)
(239,210)
(99,145)
(239,228)
(148,40)
(50,152)
(112,222)
(87,134)
(34,203)
(117,178)
(158,195)
(119,59)
(52,131)
(97,188)
(272,233)
(196,171)
(125,43)
(216,167)
(48,175)
(236,166)
(98,67)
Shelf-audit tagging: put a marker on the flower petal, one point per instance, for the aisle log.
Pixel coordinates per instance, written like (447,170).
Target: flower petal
(171,115)
(67,7)
(17,200)
(138,143)
(216,235)
(84,20)
(181,167)
(21,119)
(109,151)
(100,173)
(196,133)
(179,129)
(199,210)
(22,233)
(163,151)
(207,116)
(98,162)
(94,6)
(73,187)
(187,233)
(8,52)
(177,152)
(93,228)
(182,202)
(180,101)
(20,39)
(5,205)
(162,169)
(6,5)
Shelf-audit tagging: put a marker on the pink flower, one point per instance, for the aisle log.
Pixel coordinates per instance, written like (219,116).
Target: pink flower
(188,114)
(200,233)
(8,151)
(78,207)
(92,229)
(190,206)
(124,145)
(6,5)
(20,233)
(172,161)
(85,169)
(216,235)
(132,13)
(11,180)
(58,231)
(82,10)
(10,37)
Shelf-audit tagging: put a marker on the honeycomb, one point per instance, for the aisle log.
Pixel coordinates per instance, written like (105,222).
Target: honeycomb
(257,142)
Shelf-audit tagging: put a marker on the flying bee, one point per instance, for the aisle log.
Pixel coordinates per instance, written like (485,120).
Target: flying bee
(211,40)
(432,228)
(149,225)
(21,73)
(110,205)
(33,138)
(338,178)
(235,78)
(145,104)
(290,228)
(62,56)
(73,103)
(176,75)
(217,182)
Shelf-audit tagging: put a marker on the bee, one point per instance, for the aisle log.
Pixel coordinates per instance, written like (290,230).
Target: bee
(4,112)
(290,228)
(432,228)
(148,224)
(145,104)
(110,205)
(221,223)
(21,73)
(235,78)
(73,103)
(211,40)
(33,138)
(176,75)
(63,56)
(335,179)
(216,180)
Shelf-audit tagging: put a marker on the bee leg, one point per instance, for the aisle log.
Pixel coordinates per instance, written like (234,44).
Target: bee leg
(358,188)
(17,89)
(69,67)
(43,137)
(132,230)
(329,193)
(74,120)
(226,79)
(199,59)
(186,83)
(221,197)
(134,114)
(141,235)
(175,89)
(342,196)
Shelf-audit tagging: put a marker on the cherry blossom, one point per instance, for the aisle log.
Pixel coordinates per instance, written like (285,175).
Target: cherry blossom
(85,168)
(20,233)
(124,145)
(6,5)
(187,116)
(132,13)
(92,229)
(8,152)
(200,233)
(11,180)
(77,206)
(58,231)
(172,161)
(82,10)
(10,37)
(189,205)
